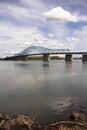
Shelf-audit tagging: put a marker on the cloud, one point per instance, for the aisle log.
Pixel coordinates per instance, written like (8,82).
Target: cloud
(59,30)
(55,44)
(24,14)
(78,41)
(72,42)
(72,39)
(63,15)
(22,24)
(35,4)
(50,43)
(17,38)
(17,12)
(60,14)
(14,39)
(81,34)
(50,35)
(10,1)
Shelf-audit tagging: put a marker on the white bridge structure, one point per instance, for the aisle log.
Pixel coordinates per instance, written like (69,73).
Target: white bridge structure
(46,52)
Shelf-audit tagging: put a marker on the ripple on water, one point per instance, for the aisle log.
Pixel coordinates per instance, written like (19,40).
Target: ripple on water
(60,104)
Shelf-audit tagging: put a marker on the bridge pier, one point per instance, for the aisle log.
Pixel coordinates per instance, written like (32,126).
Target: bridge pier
(46,57)
(84,57)
(68,57)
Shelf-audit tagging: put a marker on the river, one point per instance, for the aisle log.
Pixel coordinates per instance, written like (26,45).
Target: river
(47,91)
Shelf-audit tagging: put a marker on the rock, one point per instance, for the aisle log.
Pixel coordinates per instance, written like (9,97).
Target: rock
(22,122)
(7,124)
(25,121)
(78,116)
(4,116)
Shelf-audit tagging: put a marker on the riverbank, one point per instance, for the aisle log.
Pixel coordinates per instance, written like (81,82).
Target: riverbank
(77,121)
(26,58)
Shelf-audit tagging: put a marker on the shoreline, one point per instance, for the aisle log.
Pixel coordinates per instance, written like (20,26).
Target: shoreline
(76,121)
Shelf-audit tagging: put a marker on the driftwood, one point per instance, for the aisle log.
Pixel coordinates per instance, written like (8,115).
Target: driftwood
(67,122)
(67,125)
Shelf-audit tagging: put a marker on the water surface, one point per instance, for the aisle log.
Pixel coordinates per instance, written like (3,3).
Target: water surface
(48,91)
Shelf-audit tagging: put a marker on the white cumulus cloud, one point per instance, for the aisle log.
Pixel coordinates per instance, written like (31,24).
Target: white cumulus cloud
(60,14)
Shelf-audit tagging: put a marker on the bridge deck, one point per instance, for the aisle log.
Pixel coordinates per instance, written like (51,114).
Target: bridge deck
(59,53)
(56,53)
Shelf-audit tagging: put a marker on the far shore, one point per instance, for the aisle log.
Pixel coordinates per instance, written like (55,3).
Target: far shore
(22,58)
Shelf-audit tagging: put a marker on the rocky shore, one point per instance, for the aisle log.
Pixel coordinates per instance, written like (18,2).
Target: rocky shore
(77,121)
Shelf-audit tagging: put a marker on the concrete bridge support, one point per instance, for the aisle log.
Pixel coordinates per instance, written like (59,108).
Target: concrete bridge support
(84,57)
(46,57)
(68,57)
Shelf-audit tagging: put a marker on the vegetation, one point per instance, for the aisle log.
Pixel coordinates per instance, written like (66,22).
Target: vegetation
(25,58)
(41,58)
(32,58)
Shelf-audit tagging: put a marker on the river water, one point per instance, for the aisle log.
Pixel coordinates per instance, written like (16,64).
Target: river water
(47,91)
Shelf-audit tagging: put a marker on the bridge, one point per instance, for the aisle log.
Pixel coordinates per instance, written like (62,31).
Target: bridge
(68,55)
(46,52)
(46,56)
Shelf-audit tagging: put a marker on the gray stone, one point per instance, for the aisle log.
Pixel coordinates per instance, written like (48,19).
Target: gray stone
(78,116)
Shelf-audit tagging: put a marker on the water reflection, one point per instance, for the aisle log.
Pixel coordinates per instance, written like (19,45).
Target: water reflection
(84,62)
(43,89)
(68,64)
(45,63)
(22,67)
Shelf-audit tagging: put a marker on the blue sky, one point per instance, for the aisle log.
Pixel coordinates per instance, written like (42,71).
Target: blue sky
(48,23)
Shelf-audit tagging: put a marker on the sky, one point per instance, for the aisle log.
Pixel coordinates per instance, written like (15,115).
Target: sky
(49,23)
